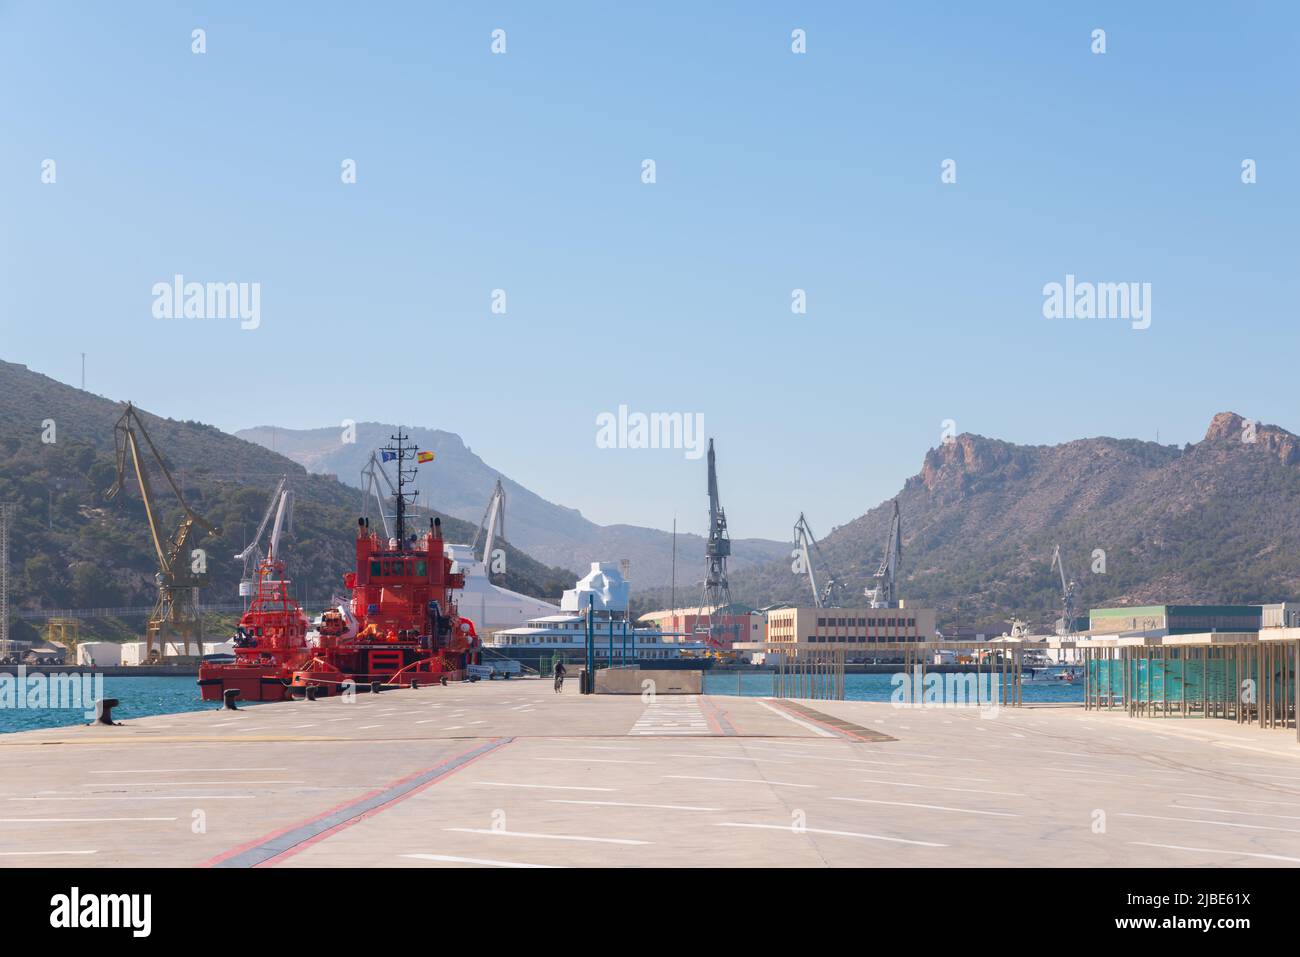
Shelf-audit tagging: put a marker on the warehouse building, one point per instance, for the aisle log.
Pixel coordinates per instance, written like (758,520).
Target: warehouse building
(856,631)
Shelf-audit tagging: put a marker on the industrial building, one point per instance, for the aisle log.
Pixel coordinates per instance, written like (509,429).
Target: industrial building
(856,631)
(1176,619)
(731,623)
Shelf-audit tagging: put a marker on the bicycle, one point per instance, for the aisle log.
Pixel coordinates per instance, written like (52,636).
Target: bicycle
(559,684)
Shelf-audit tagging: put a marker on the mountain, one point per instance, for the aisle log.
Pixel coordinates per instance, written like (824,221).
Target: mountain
(71,546)
(1215,521)
(460,483)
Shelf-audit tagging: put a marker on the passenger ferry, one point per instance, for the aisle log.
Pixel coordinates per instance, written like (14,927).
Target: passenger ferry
(562,636)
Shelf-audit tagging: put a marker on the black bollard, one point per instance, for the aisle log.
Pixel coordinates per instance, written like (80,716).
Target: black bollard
(104,710)
(415,685)
(311,692)
(229,696)
(443,680)
(376,687)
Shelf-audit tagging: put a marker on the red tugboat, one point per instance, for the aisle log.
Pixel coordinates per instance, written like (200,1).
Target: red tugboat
(400,626)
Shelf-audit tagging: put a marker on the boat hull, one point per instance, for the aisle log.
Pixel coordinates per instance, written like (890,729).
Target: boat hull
(253,682)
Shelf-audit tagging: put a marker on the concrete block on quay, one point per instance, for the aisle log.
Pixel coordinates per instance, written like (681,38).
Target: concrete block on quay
(633,681)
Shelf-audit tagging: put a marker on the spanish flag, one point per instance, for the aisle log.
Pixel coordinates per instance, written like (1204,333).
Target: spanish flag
(424,457)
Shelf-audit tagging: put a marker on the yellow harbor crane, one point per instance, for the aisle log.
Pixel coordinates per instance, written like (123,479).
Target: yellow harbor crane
(182,569)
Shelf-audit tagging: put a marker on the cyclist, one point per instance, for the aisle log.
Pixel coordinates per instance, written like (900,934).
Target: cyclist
(560,672)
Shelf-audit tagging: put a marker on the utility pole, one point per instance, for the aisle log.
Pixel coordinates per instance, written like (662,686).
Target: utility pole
(5,511)
(675,571)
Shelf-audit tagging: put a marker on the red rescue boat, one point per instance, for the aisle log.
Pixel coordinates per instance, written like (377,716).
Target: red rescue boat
(399,626)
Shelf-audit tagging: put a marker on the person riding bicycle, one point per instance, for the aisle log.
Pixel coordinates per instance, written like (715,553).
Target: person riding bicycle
(560,672)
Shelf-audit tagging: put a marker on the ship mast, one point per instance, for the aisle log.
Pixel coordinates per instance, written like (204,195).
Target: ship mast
(401,453)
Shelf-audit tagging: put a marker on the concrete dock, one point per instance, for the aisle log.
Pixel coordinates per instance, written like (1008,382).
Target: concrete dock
(511,774)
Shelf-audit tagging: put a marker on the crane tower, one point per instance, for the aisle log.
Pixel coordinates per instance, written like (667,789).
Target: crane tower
(885,593)
(717,592)
(182,568)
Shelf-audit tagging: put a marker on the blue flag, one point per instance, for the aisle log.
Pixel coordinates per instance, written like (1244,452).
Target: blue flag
(387,456)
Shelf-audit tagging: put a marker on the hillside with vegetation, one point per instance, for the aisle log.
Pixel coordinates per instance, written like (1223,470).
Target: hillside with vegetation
(72,547)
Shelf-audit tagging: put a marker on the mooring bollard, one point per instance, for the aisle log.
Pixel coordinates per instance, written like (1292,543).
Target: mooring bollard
(443,680)
(229,696)
(376,687)
(311,692)
(415,685)
(104,710)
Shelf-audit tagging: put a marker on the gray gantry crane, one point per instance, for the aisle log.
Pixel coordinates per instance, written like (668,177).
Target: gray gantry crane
(492,526)
(280,507)
(885,592)
(1066,625)
(810,554)
(717,592)
(370,488)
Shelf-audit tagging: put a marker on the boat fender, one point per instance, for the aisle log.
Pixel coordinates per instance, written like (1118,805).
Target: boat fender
(443,681)
(311,692)
(376,687)
(229,696)
(104,711)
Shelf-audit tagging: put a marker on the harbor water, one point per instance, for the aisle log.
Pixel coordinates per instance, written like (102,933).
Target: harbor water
(137,697)
(873,687)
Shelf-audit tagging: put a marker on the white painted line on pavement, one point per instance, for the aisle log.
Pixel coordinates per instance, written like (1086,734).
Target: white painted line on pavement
(1194,820)
(1224,810)
(698,777)
(78,820)
(180,770)
(663,807)
(817,830)
(544,837)
(598,760)
(549,787)
(931,807)
(483,862)
(939,787)
(1211,850)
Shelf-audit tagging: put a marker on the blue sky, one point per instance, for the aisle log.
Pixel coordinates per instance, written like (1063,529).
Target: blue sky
(775,171)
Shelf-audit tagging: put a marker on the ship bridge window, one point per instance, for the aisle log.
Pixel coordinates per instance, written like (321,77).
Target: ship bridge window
(376,569)
(421,569)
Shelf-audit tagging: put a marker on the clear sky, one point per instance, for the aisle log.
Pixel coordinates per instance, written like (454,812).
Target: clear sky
(775,171)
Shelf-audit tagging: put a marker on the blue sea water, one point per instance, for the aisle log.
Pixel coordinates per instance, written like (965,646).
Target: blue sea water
(872,687)
(138,697)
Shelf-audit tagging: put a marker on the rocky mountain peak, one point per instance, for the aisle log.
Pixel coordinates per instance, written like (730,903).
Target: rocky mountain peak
(1229,429)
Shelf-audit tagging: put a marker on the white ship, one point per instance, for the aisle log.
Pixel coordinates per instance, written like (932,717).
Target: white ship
(563,633)
(490,606)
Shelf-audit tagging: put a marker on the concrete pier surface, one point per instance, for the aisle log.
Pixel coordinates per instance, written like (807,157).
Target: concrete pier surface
(507,773)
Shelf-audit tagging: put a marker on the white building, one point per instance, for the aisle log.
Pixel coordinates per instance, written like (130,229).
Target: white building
(100,653)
